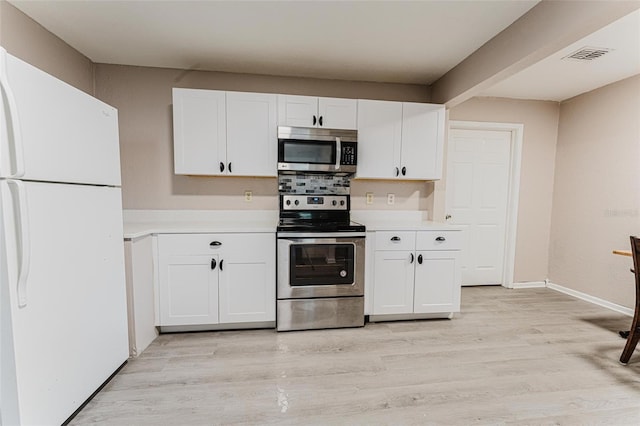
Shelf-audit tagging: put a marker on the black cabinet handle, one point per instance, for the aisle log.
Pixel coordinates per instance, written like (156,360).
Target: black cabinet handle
(441,239)
(229,167)
(213,264)
(221,264)
(420,259)
(412,257)
(320,120)
(404,171)
(221,167)
(215,244)
(397,172)
(314,120)
(395,238)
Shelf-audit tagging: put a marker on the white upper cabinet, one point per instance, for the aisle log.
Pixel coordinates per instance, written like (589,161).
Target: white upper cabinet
(310,111)
(379,138)
(199,131)
(224,133)
(251,134)
(338,113)
(400,140)
(422,141)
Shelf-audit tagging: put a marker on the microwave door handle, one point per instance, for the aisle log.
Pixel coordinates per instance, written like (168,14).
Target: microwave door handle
(338,153)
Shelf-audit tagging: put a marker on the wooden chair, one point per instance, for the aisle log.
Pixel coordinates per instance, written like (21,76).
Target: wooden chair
(634,332)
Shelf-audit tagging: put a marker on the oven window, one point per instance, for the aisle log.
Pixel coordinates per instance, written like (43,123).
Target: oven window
(321,264)
(309,152)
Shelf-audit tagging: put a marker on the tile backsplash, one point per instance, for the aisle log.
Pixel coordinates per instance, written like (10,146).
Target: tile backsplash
(313,184)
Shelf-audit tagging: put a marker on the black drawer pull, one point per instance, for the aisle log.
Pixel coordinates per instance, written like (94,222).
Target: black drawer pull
(411,261)
(314,120)
(222,260)
(420,259)
(404,171)
(395,238)
(213,264)
(441,239)
(221,167)
(215,244)
(397,171)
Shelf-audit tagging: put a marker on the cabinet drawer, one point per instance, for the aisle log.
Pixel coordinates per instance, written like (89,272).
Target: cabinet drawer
(190,244)
(439,240)
(390,240)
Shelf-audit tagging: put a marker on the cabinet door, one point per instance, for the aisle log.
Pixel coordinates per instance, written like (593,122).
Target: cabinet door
(393,282)
(337,113)
(199,132)
(379,138)
(297,111)
(247,278)
(251,134)
(188,287)
(422,141)
(437,282)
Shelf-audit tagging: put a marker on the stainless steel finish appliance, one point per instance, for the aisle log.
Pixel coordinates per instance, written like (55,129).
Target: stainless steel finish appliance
(320,278)
(302,149)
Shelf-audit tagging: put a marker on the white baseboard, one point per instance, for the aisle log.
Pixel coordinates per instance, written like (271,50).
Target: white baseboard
(529,284)
(592,299)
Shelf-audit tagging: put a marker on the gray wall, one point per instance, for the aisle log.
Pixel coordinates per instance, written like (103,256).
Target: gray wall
(596,199)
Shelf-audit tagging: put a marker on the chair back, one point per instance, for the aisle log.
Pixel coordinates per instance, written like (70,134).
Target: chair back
(635,253)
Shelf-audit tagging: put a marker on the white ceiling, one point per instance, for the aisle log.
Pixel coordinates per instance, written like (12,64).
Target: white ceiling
(384,41)
(556,79)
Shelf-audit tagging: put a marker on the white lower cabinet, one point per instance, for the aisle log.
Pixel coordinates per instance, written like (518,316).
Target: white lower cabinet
(208,279)
(416,272)
(437,282)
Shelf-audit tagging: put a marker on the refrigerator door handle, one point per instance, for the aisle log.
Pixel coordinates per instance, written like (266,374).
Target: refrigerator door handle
(25,248)
(13,117)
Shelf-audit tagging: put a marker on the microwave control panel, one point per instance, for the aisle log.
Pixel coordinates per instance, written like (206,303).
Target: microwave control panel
(349,155)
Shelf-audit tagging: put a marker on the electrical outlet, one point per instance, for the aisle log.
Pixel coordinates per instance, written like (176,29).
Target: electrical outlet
(369,197)
(391,198)
(248,196)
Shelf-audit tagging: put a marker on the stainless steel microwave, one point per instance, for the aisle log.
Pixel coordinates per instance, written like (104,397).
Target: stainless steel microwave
(308,149)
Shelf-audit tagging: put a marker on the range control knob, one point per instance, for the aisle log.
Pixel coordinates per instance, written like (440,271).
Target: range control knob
(334,202)
(288,202)
(342,202)
(296,202)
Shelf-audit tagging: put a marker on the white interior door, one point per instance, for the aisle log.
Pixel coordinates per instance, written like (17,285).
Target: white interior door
(478,179)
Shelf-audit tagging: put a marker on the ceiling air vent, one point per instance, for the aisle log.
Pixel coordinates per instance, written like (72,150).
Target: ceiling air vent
(588,54)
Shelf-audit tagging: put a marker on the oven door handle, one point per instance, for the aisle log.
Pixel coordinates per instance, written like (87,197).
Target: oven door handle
(338,153)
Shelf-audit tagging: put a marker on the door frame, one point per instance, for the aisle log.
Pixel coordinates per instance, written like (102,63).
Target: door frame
(515,163)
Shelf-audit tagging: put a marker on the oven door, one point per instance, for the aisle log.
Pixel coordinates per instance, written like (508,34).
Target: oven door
(311,267)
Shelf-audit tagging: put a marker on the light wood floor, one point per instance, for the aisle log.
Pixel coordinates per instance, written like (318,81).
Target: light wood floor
(528,356)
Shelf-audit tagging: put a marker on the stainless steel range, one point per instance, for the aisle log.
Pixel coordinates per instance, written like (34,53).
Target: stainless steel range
(320,256)
(320,252)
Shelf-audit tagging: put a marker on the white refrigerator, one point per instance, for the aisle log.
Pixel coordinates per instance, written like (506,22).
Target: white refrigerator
(63,315)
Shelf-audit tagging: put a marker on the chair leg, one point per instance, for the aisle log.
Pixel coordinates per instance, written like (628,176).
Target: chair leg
(630,346)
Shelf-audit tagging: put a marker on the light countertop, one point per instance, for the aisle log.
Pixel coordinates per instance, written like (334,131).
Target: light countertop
(140,223)
(398,220)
